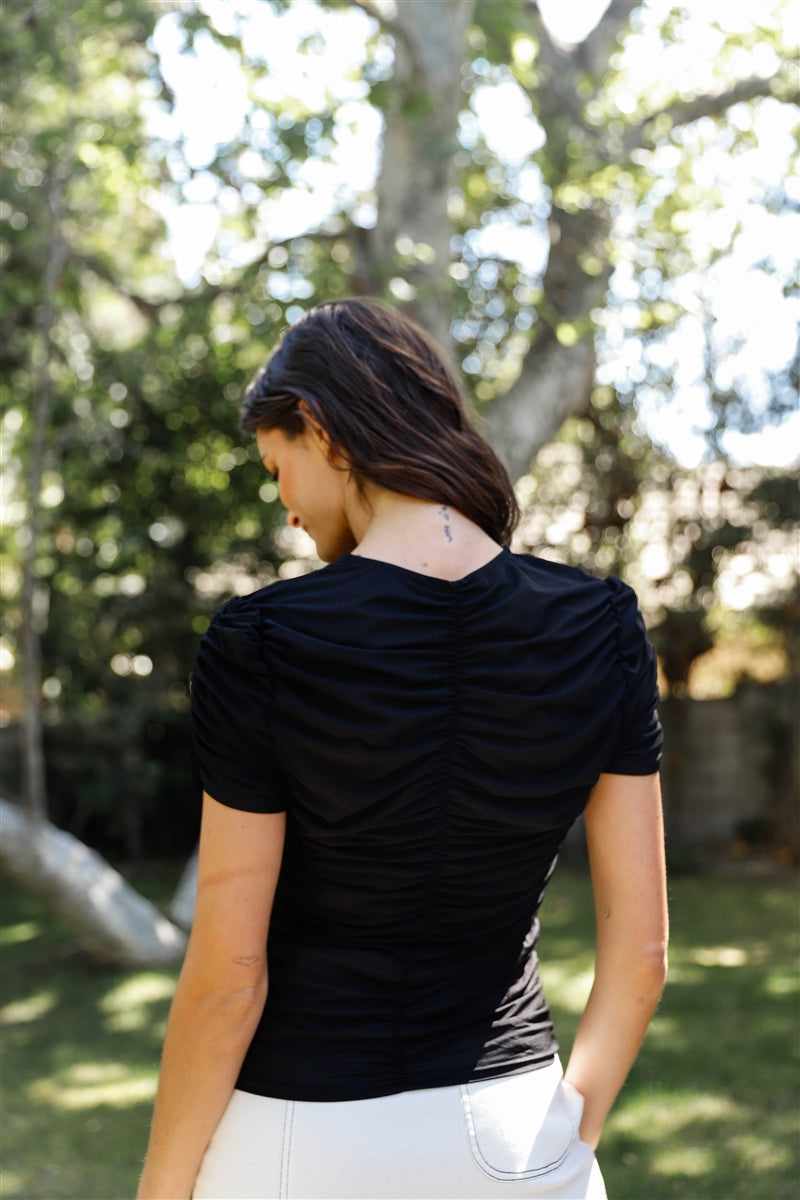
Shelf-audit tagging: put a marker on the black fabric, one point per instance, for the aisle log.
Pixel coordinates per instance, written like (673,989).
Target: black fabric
(431,742)
(231,698)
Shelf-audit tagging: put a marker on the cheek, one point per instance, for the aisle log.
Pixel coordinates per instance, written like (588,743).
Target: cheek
(297,488)
(325,495)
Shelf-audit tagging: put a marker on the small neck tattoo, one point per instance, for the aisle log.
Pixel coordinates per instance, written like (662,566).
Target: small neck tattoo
(445,512)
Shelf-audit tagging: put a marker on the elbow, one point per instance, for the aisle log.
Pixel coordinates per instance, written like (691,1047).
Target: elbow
(654,962)
(647,964)
(225,996)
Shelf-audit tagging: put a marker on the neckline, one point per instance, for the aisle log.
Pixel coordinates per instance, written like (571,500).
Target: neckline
(433,580)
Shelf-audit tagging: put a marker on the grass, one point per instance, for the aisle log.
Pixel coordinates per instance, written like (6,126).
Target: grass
(709,1110)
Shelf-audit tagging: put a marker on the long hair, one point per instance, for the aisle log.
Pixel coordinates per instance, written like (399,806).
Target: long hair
(382,389)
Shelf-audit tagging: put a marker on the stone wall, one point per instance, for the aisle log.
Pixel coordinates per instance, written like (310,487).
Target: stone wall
(731,769)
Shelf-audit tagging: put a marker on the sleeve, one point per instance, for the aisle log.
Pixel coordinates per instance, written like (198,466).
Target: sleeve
(230,697)
(637,749)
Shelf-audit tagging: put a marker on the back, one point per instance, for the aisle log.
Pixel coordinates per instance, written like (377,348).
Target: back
(432,742)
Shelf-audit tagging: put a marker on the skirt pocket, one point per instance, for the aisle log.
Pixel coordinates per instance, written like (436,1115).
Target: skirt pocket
(522,1126)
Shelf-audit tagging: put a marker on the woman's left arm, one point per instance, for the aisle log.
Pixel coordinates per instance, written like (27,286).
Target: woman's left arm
(220,995)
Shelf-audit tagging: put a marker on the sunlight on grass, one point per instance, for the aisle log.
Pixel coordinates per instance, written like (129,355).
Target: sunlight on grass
(568,987)
(23,931)
(142,988)
(684,972)
(684,1160)
(718,956)
(137,1020)
(10,1183)
(759,1151)
(127,1005)
(119,1090)
(781,985)
(662,1026)
(95,1072)
(29,1009)
(656,1117)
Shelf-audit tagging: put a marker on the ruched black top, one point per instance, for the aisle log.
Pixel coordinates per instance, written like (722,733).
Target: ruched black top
(431,742)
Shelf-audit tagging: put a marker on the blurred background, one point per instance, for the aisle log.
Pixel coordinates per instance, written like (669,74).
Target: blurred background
(595,208)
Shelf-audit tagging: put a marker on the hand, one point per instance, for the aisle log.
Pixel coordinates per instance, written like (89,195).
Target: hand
(591,1137)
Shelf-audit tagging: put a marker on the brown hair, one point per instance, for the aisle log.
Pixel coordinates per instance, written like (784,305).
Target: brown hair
(381,388)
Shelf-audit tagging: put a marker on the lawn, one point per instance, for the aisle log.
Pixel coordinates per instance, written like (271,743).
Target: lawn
(708,1112)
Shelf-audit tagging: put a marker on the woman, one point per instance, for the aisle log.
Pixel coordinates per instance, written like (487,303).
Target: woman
(392,750)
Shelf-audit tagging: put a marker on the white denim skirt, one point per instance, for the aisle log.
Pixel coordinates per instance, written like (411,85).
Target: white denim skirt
(515,1135)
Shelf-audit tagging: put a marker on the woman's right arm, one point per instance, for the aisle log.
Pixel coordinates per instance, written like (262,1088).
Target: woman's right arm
(625,841)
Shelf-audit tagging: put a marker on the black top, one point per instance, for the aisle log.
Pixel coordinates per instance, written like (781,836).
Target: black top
(432,742)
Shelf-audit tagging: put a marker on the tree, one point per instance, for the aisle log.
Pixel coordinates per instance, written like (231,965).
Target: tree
(126,379)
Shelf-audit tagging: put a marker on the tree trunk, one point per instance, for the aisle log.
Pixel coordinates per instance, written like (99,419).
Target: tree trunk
(410,242)
(108,918)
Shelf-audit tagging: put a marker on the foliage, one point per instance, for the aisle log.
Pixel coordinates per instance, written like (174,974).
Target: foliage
(154,510)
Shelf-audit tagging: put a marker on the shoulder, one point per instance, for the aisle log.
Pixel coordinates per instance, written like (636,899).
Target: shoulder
(587,605)
(235,638)
(569,594)
(618,596)
(551,573)
(633,644)
(283,597)
(232,628)
(231,643)
(247,612)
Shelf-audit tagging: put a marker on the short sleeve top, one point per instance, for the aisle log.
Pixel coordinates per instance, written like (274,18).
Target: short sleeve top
(431,742)
(231,701)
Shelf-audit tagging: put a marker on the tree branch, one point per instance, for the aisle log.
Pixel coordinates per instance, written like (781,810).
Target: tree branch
(207,293)
(556,93)
(561,63)
(390,25)
(712,104)
(148,308)
(597,47)
(591,55)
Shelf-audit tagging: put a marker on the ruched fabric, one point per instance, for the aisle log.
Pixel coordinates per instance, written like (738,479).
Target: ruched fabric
(638,748)
(431,742)
(230,694)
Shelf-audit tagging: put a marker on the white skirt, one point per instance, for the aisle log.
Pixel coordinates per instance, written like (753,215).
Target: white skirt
(515,1135)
